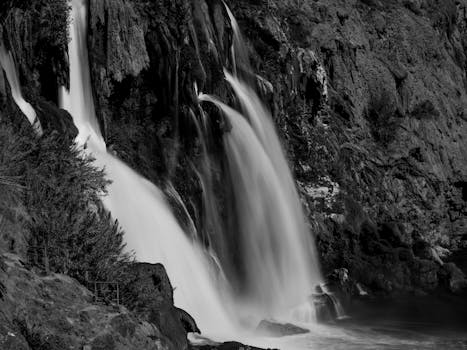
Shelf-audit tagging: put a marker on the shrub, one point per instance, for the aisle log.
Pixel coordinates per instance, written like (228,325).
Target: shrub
(13,215)
(50,17)
(70,231)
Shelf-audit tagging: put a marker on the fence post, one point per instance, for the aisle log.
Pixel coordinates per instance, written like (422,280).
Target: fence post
(46,259)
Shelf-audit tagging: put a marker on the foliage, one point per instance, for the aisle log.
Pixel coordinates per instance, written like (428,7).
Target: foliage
(10,184)
(52,18)
(37,34)
(61,189)
(13,214)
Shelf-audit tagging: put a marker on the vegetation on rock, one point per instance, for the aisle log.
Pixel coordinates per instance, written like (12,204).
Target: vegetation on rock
(54,191)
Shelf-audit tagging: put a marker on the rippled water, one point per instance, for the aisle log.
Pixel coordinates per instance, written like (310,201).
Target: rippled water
(364,336)
(375,337)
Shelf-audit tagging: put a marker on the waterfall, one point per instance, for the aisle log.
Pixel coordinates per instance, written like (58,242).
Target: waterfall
(277,255)
(279,264)
(239,52)
(151,230)
(8,65)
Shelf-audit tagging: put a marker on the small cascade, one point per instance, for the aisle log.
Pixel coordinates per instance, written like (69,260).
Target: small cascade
(340,313)
(211,221)
(327,305)
(239,52)
(8,64)
(187,222)
(151,230)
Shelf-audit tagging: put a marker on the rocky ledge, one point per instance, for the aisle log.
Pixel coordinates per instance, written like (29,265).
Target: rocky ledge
(55,312)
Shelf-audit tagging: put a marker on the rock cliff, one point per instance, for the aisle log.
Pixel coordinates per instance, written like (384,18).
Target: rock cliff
(379,151)
(369,98)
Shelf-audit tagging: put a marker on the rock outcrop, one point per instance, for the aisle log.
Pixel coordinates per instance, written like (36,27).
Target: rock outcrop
(55,312)
(148,291)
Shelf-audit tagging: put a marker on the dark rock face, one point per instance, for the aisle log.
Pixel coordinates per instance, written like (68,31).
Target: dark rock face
(325,308)
(55,312)
(36,35)
(379,163)
(146,58)
(367,96)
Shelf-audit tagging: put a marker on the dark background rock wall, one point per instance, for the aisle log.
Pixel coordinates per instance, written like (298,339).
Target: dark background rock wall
(383,163)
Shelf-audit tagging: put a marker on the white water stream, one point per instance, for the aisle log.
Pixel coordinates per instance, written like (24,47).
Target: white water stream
(151,230)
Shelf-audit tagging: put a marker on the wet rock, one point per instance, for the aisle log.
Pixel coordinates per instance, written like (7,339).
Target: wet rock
(325,307)
(276,329)
(344,287)
(454,278)
(56,120)
(423,250)
(426,274)
(188,322)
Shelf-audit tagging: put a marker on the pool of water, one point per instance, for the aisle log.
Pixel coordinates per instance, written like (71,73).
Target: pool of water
(377,336)
(410,323)
(362,337)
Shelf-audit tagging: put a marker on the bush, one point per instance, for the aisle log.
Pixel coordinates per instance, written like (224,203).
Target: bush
(13,215)
(70,231)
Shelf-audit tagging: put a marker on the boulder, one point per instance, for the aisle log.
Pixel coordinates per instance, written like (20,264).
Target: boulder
(147,290)
(226,346)
(277,329)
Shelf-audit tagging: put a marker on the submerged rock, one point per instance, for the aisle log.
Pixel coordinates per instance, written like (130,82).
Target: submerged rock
(226,346)
(277,329)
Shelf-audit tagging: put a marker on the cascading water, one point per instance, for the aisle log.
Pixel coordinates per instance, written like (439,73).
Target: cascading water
(151,230)
(271,234)
(279,266)
(277,251)
(8,65)
(211,219)
(239,52)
